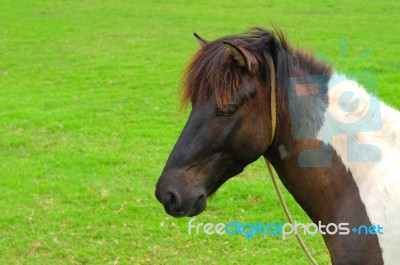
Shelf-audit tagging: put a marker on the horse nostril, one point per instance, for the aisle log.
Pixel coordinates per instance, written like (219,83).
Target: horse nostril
(171,201)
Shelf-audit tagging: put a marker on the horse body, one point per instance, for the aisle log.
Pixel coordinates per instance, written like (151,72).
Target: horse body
(359,192)
(378,182)
(335,147)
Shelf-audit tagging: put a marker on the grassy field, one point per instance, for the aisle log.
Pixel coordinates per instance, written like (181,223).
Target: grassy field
(89,94)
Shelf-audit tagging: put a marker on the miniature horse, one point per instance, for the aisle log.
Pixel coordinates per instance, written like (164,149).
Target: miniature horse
(335,147)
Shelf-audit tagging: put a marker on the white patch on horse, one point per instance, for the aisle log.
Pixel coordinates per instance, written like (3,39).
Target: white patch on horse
(284,153)
(378,181)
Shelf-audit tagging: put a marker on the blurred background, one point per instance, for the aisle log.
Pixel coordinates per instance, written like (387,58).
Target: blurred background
(89,111)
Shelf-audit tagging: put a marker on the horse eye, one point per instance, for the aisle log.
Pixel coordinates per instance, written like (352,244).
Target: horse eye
(231,109)
(228,110)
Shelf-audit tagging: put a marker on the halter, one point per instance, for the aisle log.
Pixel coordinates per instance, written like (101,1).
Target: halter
(273,98)
(269,166)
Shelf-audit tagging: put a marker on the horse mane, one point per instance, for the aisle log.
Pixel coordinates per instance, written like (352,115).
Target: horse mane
(213,73)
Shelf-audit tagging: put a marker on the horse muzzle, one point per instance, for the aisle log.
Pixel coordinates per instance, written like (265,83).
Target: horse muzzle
(181,203)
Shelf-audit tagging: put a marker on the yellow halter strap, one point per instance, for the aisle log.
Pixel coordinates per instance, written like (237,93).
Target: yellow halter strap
(269,166)
(273,97)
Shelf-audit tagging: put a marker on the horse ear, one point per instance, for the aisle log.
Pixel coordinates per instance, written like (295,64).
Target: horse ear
(202,42)
(243,57)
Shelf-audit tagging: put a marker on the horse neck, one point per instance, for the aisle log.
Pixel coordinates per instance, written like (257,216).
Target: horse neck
(314,173)
(324,193)
(302,152)
(311,171)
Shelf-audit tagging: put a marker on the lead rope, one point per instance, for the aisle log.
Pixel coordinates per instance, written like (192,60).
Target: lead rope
(269,166)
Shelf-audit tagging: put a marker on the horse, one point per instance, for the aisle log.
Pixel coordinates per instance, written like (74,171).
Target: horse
(334,146)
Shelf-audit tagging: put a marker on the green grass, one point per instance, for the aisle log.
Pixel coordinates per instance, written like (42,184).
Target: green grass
(89,113)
